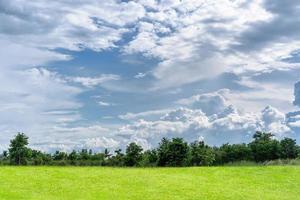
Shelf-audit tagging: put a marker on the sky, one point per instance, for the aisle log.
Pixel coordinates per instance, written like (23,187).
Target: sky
(99,74)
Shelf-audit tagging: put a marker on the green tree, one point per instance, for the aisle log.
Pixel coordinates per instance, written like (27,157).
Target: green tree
(38,157)
(4,154)
(288,148)
(106,153)
(73,157)
(133,154)
(97,159)
(19,153)
(84,155)
(264,147)
(59,155)
(173,153)
(235,152)
(201,154)
(149,158)
(162,152)
(117,159)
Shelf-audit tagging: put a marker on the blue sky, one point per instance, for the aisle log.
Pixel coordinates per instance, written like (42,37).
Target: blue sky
(95,74)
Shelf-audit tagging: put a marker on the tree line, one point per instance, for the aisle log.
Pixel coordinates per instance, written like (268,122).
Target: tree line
(173,152)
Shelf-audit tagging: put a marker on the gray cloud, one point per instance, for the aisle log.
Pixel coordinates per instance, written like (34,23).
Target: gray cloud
(282,27)
(297,94)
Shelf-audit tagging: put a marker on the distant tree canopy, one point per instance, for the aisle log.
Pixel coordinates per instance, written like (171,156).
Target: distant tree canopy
(173,152)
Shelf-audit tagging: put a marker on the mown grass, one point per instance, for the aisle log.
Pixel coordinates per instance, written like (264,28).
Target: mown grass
(46,183)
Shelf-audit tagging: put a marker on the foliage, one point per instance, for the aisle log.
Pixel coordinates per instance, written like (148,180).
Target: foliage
(18,150)
(201,154)
(149,158)
(173,153)
(263,150)
(264,147)
(133,154)
(288,149)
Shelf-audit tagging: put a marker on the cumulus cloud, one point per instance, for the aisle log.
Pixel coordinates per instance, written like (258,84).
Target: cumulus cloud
(217,129)
(210,103)
(66,138)
(225,124)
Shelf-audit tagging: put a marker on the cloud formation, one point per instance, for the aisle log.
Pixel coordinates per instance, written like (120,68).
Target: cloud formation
(225,124)
(189,40)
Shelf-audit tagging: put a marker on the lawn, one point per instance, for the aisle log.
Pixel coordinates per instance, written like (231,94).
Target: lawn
(46,183)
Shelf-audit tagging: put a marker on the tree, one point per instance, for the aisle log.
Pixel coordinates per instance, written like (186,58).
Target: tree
(173,153)
(98,159)
(59,155)
(73,156)
(288,148)
(18,151)
(133,154)
(106,154)
(117,159)
(201,154)
(162,152)
(235,152)
(5,155)
(84,155)
(264,147)
(38,157)
(149,158)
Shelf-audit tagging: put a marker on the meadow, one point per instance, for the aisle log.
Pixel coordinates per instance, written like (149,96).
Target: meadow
(252,182)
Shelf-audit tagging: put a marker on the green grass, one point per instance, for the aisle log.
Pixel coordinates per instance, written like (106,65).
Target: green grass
(46,183)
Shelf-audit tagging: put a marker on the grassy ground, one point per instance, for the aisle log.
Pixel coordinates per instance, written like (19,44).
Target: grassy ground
(46,183)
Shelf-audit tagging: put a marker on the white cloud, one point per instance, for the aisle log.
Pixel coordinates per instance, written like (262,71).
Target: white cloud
(68,24)
(278,94)
(33,99)
(193,38)
(226,124)
(14,55)
(210,103)
(140,75)
(143,115)
(196,40)
(101,143)
(103,103)
(68,138)
(94,81)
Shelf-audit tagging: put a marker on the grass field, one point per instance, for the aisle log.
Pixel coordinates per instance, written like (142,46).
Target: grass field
(276,182)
